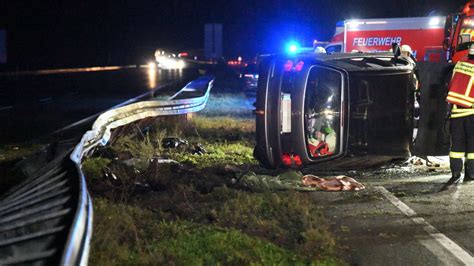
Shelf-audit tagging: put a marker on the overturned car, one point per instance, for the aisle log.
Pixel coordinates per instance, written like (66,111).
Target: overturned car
(334,109)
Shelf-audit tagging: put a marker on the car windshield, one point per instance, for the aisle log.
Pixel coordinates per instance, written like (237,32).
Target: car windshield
(322,112)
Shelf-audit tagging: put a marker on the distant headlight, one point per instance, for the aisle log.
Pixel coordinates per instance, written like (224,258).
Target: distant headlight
(180,64)
(152,65)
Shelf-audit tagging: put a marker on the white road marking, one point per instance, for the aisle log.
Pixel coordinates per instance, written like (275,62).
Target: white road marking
(443,255)
(457,251)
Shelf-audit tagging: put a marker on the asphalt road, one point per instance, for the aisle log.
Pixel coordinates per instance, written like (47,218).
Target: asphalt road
(35,104)
(402,218)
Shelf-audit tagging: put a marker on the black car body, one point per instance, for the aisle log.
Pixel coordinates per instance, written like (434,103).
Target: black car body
(319,108)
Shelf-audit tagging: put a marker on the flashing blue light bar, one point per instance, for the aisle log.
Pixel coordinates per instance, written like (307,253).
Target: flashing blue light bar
(292,48)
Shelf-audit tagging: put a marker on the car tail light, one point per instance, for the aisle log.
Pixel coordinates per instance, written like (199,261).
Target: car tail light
(291,160)
(299,66)
(297,160)
(288,66)
(286,159)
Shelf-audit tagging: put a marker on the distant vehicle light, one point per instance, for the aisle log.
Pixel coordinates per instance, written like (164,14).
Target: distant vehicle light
(152,65)
(239,58)
(184,54)
(180,64)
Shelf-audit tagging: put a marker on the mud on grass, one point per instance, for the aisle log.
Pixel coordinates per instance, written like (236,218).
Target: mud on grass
(196,212)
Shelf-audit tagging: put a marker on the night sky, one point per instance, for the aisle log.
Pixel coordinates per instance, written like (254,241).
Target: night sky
(84,33)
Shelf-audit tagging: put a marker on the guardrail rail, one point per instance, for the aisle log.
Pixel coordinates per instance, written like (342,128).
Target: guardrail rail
(47,219)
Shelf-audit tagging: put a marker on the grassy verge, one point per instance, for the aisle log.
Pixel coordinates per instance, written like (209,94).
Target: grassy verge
(195,212)
(13,152)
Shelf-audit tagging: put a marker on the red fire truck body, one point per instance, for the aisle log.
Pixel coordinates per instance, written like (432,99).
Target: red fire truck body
(425,35)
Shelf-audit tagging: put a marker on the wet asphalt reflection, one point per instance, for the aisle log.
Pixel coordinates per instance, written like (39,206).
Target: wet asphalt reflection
(33,105)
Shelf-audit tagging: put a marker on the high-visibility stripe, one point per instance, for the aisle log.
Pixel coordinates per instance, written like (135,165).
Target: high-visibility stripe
(461,110)
(454,100)
(463,96)
(456,155)
(470,156)
(458,115)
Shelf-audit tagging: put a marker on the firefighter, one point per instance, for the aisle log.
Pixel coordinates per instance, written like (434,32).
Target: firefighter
(461,99)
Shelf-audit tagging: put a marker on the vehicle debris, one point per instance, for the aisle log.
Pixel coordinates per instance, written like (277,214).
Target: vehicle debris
(295,180)
(338,183)
(183,144)
(173,143)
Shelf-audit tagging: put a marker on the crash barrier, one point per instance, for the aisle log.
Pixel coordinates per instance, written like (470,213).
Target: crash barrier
(192,98)
(37,216)
(47,219)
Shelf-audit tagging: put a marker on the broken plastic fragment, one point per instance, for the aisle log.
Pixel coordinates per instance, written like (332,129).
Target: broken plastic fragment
(173,143)
(337,183)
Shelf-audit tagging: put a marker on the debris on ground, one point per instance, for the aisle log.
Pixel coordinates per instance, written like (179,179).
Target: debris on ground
(338,183)
(174,143)
(295,180)
(198,149)
(429,161)
(183,145)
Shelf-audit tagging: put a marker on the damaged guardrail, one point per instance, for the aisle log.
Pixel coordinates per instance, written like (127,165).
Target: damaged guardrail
(48,218)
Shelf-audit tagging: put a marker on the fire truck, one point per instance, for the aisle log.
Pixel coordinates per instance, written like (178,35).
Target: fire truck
(425,36)
(432,39)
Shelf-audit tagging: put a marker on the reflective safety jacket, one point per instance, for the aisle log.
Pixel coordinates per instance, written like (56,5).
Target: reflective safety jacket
(461,92)
(457,112)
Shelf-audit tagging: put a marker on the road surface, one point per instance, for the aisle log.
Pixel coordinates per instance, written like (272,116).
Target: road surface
(33,104)
(402,218)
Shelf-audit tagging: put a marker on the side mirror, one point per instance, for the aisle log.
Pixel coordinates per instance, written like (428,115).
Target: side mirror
(396,50)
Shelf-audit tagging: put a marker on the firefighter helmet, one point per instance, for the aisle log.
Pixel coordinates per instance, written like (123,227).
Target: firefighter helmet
(406,50)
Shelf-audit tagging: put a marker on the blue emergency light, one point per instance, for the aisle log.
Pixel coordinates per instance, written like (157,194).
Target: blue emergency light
(292,48)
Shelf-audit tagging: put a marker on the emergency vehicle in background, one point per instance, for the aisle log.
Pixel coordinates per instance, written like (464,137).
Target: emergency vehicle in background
(425,35)
(432,39)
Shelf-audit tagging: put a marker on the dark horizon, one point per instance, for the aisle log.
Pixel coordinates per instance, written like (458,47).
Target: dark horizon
(115,32)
